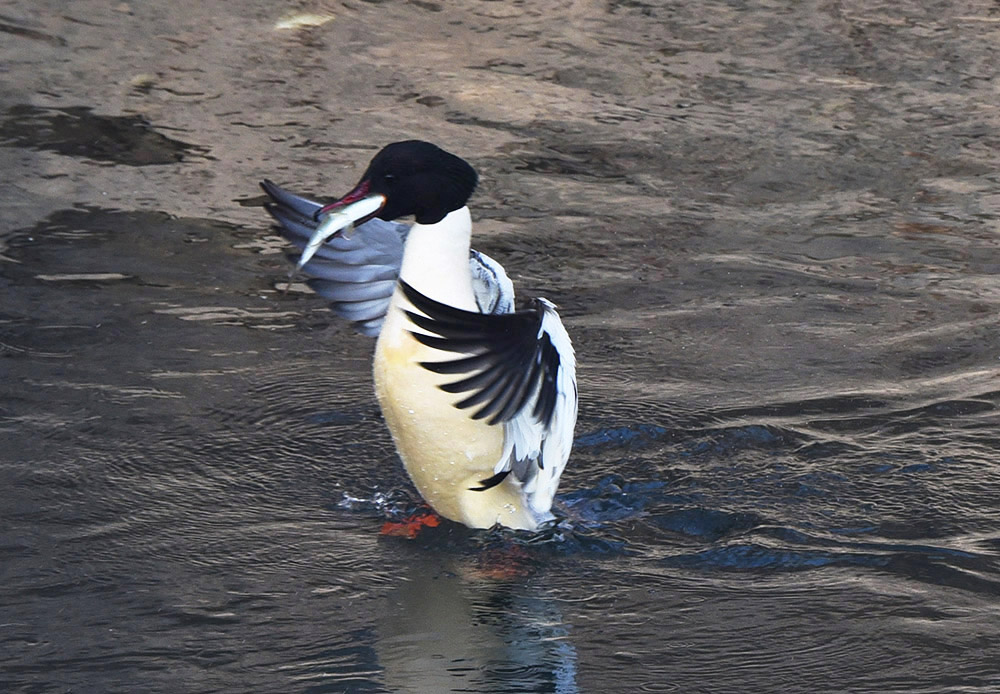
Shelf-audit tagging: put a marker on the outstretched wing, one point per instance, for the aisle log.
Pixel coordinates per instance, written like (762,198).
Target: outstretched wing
(357,272)
(518,369)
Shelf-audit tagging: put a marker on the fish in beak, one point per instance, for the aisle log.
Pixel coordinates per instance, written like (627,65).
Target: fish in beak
(357,207)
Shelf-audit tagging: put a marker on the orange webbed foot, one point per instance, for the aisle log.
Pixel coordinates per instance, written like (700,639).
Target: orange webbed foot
(411,527)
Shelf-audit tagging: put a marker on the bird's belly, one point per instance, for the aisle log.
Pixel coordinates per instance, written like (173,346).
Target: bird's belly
(445,451)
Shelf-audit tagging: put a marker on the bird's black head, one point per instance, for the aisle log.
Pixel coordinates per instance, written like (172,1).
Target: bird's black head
(421,179)
(414,178)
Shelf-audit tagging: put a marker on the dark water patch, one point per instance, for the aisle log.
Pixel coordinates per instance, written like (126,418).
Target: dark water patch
(811,539)
(929,569)
(847,403)
(335,417)
(99,247)
(756,557)
(568,539)
(906,420)
(703,524)
(638,435)
(826,450)
(612,498)
(732,440)
(76,131)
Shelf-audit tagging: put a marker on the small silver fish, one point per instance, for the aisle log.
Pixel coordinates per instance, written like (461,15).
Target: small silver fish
(336,221)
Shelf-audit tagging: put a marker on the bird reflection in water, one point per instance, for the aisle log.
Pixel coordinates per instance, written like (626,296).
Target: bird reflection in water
(482,625)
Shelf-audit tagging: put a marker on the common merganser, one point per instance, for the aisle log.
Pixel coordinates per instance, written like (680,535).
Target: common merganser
(445,321)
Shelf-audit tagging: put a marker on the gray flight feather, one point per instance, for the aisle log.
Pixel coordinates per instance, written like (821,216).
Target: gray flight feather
(357,270)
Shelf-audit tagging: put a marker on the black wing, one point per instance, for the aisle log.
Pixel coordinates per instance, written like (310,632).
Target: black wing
(512,359)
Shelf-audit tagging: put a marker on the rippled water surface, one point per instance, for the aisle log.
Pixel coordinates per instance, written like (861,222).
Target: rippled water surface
(771,228)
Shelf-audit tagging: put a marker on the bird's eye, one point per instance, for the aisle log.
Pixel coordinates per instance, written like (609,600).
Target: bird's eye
(389,178)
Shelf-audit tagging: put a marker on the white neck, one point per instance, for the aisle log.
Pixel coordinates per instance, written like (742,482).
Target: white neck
(436,260)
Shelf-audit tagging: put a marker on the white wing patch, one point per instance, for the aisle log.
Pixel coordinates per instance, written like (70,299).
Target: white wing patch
(536,453)
(493,289)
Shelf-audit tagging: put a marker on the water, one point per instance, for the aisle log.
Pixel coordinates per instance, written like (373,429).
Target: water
(772,232)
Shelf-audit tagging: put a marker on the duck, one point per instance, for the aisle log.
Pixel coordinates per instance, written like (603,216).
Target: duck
(480,397)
